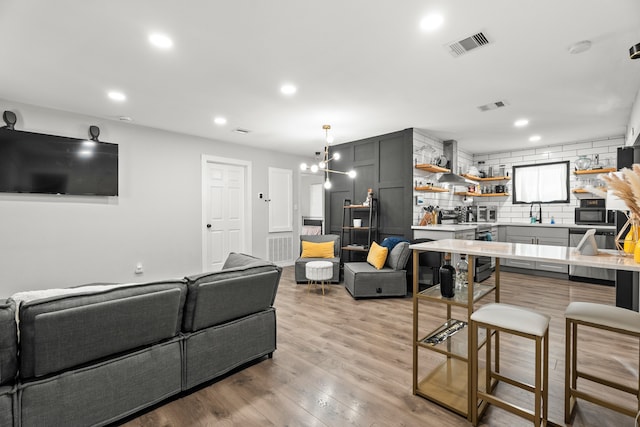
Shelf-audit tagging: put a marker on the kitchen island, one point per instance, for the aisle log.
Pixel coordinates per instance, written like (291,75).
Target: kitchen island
(449,383)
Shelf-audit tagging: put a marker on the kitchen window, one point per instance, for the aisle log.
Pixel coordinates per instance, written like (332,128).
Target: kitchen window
(541,183)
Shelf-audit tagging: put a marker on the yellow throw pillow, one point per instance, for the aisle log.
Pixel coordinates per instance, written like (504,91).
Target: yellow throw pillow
(317,250)
(377,255)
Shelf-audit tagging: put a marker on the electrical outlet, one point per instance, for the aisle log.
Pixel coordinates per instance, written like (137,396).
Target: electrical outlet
(139,269)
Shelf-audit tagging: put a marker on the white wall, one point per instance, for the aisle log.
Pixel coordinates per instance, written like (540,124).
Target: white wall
(59,241)
(633,128)
(443,200)
(563,213)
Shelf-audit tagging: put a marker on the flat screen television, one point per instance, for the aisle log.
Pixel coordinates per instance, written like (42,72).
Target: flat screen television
(48,164)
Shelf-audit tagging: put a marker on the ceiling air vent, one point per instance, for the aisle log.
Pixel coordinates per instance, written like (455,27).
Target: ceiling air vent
(465,45)
(493,106)
(241,131)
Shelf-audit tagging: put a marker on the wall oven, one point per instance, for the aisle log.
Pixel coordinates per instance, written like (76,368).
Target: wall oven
(483,264)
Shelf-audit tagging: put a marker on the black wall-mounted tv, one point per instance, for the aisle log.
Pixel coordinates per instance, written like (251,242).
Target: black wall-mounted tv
(48,164)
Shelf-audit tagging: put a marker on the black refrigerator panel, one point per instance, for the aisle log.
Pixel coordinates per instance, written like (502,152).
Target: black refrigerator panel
(626,281)
(627,156)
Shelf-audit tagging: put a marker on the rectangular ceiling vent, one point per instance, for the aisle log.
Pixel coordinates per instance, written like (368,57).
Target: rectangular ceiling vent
(493,106)
(465,45)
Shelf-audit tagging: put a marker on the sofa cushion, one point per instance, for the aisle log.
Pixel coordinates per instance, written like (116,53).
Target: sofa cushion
(377,255)
(399,256)
(391,242)
(317,250)
(220,296)
(8,342)
(93,322)
(323,238)
(238,260)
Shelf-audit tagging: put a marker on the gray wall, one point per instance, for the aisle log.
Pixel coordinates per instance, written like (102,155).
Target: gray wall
(58,241)
(383,163)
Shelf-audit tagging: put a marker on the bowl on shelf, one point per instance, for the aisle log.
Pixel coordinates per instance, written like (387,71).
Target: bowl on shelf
(583,162)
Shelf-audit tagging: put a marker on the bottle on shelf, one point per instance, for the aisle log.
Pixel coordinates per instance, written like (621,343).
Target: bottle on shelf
(462,268)
(447,278)
(369,199)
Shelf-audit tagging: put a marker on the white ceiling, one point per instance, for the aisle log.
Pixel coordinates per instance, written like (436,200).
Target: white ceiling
(363,66)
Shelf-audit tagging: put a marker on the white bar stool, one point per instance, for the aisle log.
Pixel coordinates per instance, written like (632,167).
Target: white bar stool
(608,318)
(517,321)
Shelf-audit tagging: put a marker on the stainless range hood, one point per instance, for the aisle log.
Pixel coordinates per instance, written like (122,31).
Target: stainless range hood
(450,151)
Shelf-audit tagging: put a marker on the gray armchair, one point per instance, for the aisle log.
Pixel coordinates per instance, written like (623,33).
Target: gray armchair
(363,280)
(301,262)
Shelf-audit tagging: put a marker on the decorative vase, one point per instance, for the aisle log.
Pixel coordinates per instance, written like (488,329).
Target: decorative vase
(583,162)
(630,241)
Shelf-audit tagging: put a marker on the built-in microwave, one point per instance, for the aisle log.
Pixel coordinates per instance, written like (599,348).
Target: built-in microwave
(594,216)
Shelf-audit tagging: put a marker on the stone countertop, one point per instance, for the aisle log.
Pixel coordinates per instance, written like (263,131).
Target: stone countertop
(553,254)
(446,227)
(473,225)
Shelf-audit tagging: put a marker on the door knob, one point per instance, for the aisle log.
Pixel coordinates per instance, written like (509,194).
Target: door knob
(208,225)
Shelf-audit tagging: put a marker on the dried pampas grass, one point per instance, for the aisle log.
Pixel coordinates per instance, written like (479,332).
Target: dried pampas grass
(627,188)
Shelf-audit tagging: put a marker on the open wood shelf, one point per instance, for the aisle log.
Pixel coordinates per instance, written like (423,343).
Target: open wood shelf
(431,168)
(493,178)
(493,195)
(467,193)
(431,189)
(594,171)
(584,191)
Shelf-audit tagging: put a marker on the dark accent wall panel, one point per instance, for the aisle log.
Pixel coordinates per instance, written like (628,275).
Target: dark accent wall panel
(383,163)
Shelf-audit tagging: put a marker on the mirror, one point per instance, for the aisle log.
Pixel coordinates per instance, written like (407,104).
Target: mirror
(541,183)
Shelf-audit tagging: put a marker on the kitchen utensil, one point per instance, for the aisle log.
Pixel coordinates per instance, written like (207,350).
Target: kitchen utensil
(442,161)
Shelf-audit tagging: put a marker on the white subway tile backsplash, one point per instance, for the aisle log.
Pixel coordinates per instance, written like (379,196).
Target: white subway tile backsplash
(508,212)
(577,146)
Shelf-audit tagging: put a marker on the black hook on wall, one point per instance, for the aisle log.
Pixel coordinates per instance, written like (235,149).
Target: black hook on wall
(10,119)
(94,133)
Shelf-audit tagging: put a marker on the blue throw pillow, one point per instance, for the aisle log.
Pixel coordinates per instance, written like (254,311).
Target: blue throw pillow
(391,242)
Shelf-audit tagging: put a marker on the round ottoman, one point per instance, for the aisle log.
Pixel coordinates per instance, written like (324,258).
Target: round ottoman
(318,271)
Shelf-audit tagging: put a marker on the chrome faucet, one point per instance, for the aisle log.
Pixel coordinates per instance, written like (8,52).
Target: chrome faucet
(538,217)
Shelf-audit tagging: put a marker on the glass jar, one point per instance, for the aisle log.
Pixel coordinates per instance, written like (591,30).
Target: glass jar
(583,162)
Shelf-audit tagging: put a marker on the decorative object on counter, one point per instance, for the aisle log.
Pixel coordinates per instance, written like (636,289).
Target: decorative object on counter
(447,278)
(324,159)
(462,269)
(553,220)
(367,201)
(583,162)
(625,186)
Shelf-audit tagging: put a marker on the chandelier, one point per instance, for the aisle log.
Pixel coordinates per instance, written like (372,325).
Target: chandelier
(324,159)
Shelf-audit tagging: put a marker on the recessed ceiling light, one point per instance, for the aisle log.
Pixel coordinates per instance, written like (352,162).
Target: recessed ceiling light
(431,22)
(160,40)
(521,123)
(220,121)
(117,96)
(535,138)
(288,89)
(241,131)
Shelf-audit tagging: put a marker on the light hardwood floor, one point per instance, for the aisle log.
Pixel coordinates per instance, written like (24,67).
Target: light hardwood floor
(342,362)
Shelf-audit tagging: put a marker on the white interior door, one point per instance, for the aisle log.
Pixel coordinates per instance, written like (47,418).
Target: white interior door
(225,211)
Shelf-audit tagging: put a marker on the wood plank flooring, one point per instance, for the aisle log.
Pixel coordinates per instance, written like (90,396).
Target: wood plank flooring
(343,362)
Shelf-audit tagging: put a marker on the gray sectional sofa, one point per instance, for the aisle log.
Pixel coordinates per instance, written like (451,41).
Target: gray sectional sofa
(93,354)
